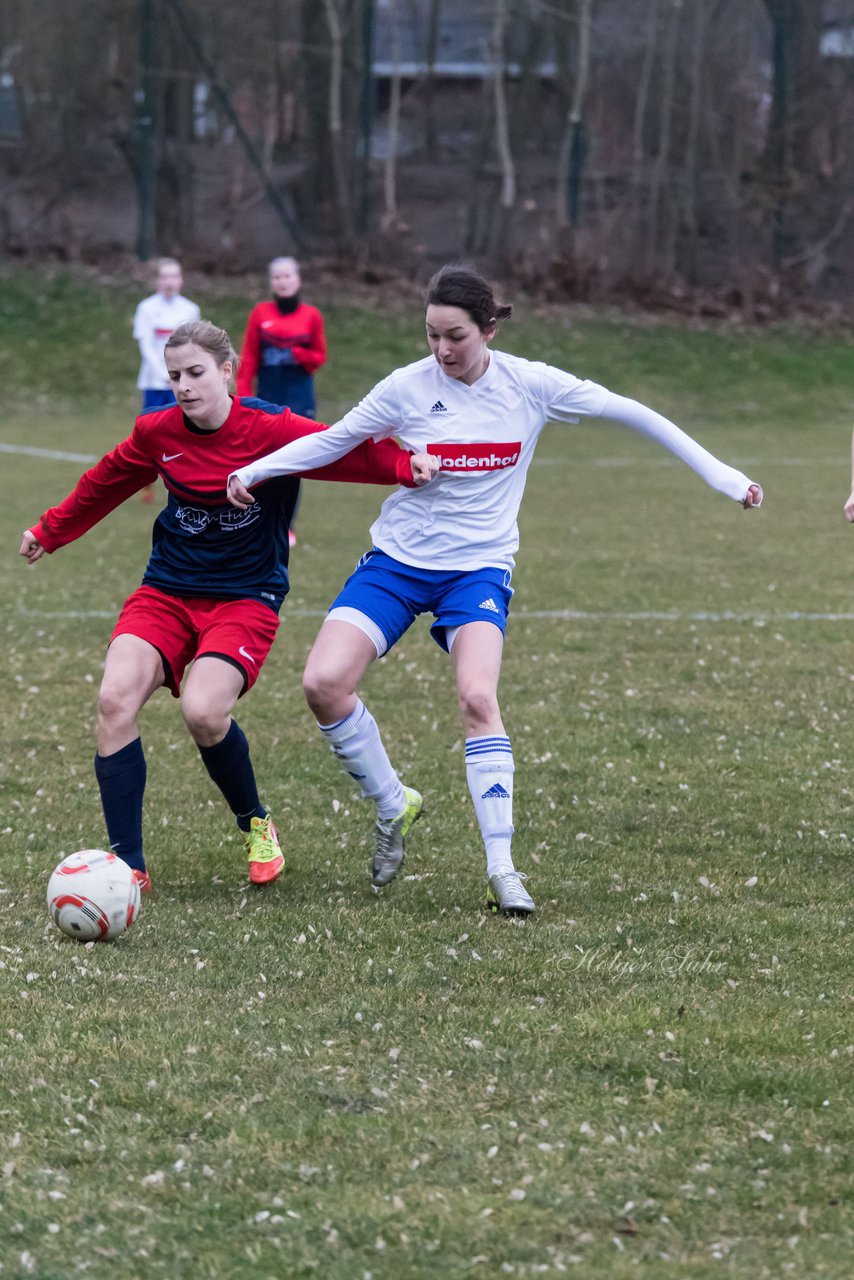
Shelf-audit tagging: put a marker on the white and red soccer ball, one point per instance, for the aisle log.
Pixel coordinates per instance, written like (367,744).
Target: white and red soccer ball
(93,896)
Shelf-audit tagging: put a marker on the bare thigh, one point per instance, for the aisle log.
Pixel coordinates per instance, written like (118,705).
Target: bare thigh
(339,658)
(476,653)
(132,673)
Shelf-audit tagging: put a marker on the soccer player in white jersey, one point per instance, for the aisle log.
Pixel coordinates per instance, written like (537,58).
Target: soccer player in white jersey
(448,548)
(155,320)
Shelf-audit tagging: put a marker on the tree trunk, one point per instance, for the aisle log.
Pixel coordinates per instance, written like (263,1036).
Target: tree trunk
(650,48)
(796,105)
(389,220)
(430,139)
(571,153)
(695,103)
(335,124)
(507,198)
(660,168)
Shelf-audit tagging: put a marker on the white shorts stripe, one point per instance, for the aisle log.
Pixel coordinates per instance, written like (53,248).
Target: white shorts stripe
(345,613)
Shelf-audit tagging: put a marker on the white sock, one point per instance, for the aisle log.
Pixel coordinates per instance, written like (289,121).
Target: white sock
(489,770)
(357,743)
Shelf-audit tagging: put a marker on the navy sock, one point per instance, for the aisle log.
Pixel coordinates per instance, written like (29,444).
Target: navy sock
(230,767)
(121,778)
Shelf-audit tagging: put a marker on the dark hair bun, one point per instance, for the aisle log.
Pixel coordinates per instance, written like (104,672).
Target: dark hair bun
(458,286)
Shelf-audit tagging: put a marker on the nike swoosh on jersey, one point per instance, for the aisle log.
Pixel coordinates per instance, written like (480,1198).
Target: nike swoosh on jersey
(169,457)
(243,652)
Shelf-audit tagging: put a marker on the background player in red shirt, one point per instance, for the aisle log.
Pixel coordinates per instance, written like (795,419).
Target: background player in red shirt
(213,586)
(283,346)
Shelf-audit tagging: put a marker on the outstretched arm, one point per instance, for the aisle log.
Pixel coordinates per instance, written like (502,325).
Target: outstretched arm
(727,480)
(377,462)
(120,473)
(374,418)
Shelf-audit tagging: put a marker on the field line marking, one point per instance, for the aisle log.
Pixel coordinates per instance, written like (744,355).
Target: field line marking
(55,455)
(548,615)
(704,615)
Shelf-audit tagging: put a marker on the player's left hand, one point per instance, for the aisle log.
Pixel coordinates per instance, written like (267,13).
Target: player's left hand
(31,549)
(238,495)
(753,497)
(424,467)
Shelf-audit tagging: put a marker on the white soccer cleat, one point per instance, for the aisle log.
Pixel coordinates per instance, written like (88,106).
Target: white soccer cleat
(507,894)
(391,839)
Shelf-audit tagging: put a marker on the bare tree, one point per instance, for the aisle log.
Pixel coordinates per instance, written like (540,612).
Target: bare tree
(695,102)
(343,203)
(572,143)
(650,47)
(434,14)
(507,197)
(797,100)
(389,218)
(660,166)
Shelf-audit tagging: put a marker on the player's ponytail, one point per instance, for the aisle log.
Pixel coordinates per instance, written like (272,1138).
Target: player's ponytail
(207,336)
(459,286)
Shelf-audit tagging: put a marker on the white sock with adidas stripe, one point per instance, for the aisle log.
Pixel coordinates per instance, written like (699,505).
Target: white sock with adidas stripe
(489,771)
(357,743)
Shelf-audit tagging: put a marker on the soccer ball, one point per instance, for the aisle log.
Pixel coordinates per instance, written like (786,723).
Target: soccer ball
(93,896)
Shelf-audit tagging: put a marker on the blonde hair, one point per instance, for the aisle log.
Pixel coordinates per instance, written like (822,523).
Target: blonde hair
(215,341)
(280,262)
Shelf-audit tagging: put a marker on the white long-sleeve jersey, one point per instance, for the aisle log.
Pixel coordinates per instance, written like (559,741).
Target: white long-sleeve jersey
(484,436)
(156,318)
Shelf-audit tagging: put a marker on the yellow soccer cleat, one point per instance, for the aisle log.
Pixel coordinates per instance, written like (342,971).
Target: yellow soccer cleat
(266,860)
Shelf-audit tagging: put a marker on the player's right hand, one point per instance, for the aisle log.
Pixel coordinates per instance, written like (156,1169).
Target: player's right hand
(849,509)
(31,549)
(424,468)
(238,495)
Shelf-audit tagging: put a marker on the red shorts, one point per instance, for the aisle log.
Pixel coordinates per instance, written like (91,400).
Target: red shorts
(183,628)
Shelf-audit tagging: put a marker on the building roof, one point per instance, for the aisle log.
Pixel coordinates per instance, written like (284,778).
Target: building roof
(463,45)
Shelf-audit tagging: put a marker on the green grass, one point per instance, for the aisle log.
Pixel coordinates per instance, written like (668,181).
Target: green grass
(652,1076)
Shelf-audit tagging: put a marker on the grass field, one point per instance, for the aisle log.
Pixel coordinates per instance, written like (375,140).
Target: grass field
(653,1075)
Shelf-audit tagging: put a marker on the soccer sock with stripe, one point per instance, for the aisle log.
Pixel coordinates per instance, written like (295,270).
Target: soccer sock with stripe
(230,767)
(357,743)
(489,770)
(121,779)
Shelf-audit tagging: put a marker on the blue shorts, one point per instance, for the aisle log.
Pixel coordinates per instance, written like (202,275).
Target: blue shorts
(156,398)
(392,595)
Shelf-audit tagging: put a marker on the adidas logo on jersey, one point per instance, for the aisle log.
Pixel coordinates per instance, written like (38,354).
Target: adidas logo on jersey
(496,792)
(490,605)
(438,407)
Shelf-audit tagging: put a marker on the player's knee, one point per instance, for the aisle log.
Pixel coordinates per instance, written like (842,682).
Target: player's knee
(478,706)
(203,718)
(117,705)
(322,687)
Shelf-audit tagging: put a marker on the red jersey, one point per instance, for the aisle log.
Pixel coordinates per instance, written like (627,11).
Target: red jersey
(203,546)
(272,337)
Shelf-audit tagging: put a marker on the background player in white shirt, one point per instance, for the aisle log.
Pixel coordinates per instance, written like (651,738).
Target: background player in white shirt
(448,548)
(156,319)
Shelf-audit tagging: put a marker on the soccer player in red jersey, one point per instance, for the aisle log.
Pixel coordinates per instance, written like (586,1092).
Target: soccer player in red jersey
(213,586)
(283,347)
(284,344)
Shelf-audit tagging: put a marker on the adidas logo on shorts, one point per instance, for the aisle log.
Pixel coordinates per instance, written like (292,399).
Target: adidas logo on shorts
(490,605)
(496,792)
(438,407)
